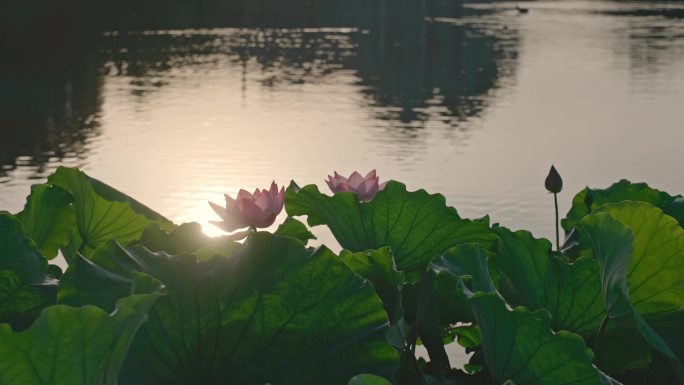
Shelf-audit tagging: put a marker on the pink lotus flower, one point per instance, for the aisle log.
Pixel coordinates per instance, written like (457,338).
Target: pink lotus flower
(365,187)
(250,210)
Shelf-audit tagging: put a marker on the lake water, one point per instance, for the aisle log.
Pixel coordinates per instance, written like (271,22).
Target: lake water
(476,106)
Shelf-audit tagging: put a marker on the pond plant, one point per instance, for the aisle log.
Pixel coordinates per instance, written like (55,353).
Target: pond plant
(145,301)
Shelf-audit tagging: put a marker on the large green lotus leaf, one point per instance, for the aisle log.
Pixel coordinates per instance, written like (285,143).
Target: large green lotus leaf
(460,267)
(378,267)
(675,209)
(416,225)
(455,268)
(519,346)
(75,247)
(18,253)
(588,200)
(453,305)
(611,242)
(531,276)
(85,283)
(656,267)
(48,218)
(668,326)
(273,312)
(622,350)
(368,379)
(223,246)
(111,194)
(24,287)
(466,263)
(185,238)
(295,229)
(22,302)
(98,218)
(72,346)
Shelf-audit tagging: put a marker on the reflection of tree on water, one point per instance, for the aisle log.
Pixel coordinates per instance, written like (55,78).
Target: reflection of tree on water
(404,60)
(47,114)
(412,70)
(429,70)
(277,57)
(654,43)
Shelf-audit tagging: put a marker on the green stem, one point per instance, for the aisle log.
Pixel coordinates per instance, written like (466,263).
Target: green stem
(252,230)
(555,202)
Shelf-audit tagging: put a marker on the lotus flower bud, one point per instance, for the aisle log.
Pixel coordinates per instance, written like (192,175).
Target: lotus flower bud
(257,210)
(365,187)
(553,182)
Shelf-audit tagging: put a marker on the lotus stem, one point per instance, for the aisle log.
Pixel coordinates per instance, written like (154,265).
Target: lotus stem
(555,202)
(251,230)
(554,184)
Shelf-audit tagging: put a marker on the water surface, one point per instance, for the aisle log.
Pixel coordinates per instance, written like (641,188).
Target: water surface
(475,105)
